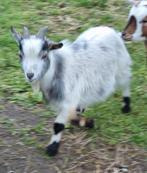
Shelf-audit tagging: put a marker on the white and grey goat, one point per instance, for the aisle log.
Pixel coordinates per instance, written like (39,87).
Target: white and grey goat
(136,29)
(74,75)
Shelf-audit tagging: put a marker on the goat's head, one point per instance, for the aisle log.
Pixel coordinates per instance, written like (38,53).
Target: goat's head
(136,28)
(33,52)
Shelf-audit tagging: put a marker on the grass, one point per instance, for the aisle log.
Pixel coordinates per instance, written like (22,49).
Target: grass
(68,22)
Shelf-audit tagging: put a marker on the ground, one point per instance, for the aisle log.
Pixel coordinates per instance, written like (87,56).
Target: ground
(77,152)
(117,143)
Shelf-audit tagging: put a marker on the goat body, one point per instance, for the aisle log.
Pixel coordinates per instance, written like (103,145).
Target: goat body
(80,74)
(86,71)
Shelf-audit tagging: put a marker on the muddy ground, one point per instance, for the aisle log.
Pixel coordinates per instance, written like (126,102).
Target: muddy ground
(78,152)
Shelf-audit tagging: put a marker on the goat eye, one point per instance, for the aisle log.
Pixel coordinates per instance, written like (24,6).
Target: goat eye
(20,56)
(44,56)
(143,21)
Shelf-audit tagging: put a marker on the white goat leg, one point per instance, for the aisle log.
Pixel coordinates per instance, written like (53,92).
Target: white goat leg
(62,119)
(126,98)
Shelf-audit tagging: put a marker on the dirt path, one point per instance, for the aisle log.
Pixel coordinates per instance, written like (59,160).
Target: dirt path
(78,152)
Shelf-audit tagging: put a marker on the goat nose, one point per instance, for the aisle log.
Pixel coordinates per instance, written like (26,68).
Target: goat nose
(30,75)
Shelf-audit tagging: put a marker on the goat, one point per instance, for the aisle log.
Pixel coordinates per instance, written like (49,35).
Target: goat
(74,75)
(136,29)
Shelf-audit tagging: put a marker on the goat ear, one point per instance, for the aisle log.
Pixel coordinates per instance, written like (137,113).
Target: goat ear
(16,35)
(53,46)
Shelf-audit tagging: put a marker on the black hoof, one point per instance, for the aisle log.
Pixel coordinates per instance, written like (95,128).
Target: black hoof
(75,122)
(89,123)
(52,149)
(126,109)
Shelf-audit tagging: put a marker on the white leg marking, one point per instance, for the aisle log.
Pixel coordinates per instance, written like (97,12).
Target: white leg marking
(56,138)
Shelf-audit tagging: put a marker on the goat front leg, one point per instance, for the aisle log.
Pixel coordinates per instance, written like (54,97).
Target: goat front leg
(59,125)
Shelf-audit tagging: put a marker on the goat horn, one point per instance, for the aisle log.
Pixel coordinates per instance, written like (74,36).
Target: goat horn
(16,35)
(42,32)
(26,33)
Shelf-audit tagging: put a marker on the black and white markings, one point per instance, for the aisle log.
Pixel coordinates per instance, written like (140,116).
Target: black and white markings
(52,148)
(126,108)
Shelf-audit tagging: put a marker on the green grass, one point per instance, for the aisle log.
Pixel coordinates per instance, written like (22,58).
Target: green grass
(68,22)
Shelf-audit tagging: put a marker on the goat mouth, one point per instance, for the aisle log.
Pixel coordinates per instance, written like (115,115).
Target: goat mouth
(129,30)
(31,80)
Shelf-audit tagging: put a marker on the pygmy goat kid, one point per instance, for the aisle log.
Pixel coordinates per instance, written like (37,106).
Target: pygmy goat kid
(136,29)
(74,75)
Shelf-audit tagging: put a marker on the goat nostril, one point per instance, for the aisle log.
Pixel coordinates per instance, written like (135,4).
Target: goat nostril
(123,34)
(30,75)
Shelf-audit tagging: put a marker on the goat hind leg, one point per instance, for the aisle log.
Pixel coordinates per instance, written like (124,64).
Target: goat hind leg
(126,99)
(81,121)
